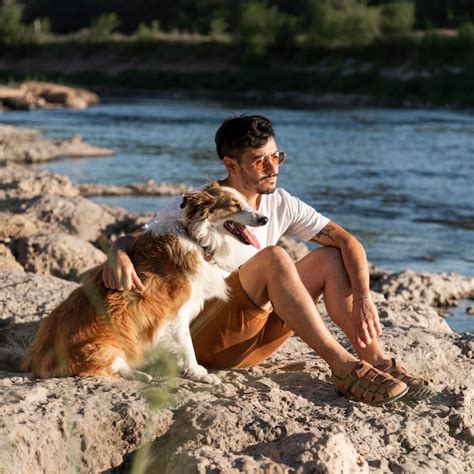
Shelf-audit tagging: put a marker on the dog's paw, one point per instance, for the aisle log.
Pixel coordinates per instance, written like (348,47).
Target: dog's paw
(200,374)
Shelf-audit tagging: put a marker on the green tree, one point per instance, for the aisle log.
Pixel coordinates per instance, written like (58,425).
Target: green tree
(103,26)
(148,32)
(262,26)
(397,17)
(12,30)
(342,22)
(466,32)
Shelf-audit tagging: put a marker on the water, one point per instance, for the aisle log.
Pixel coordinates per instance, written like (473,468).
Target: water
(400,180)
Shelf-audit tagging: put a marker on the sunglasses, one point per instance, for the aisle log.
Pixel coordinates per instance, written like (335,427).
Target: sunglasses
(276,158)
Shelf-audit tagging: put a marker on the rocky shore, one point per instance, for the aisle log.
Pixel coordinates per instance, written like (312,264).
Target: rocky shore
(45,95)
(283,416)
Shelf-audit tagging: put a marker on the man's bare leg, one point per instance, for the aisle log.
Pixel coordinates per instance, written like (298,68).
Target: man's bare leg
(322,272)
(272,276)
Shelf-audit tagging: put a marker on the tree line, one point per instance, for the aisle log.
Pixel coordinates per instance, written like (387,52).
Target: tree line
(201,16)
(255,26)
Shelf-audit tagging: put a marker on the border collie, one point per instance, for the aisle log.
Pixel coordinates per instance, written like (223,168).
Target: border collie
(101,332)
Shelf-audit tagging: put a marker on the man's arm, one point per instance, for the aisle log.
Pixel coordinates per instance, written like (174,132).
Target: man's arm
(119,272)
(364,312)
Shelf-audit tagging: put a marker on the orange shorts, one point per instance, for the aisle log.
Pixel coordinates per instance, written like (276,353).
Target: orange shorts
(236,332)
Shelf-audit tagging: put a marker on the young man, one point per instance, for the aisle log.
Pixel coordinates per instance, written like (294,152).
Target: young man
(271,296)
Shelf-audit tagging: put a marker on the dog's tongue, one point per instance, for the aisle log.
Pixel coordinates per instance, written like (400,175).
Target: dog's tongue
(249,236)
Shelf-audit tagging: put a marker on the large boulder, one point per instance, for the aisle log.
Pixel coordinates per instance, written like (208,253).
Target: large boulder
(435,289)
(27,146)
(26,297)
(35,94)
(17,226)
(22,183)
(282,416)
(7,260)
(74,215)
(146,188)
(60,255)
(60,95)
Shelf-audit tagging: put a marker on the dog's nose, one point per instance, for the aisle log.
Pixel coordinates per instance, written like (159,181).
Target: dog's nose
(262,220)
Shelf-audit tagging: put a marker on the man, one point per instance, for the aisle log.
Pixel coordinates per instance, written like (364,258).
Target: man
(271,296)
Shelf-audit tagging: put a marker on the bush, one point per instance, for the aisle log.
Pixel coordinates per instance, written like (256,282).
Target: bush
(342,24)
(466,32)
(12,30)
(145,32)
(262,26)
(218,28)
(397,17)
(103,26)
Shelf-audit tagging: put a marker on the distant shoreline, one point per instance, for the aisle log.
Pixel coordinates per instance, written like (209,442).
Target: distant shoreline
(395,75)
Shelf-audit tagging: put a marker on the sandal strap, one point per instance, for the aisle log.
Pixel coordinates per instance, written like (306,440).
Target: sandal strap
(368,384)
(400,373)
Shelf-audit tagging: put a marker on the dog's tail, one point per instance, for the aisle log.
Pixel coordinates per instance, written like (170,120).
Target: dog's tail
(12,348)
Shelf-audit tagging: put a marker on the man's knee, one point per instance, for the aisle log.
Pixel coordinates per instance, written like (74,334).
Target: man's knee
(331,265)
(276,258)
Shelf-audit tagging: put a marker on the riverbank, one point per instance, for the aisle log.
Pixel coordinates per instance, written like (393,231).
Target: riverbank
(402,73)
(283,415)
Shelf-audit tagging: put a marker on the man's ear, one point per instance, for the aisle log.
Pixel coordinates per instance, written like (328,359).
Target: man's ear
(230,165)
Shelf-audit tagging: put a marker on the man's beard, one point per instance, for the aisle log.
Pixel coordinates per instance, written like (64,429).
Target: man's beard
(258,186)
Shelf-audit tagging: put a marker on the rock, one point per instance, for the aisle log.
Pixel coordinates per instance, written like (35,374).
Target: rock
(282,416)
(27,146)
(72,214)
(16,99)
(60,255)
(85,425)
(58,94)
(26,297)
(147,188)
(399,313)
(434,289)
(7,260)
(470,310)
(22,182)
(16,226)
(33,94)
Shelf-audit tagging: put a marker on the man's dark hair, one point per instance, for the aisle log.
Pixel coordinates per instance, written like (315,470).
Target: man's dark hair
(238,133)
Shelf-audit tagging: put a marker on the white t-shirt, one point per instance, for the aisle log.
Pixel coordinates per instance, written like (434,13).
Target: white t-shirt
(287,216)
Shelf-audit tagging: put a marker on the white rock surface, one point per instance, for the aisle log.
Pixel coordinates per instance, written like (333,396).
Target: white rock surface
(283,416)
(60,255)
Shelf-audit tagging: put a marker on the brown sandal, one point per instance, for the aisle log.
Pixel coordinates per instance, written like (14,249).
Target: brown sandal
(369,385)
(418,389)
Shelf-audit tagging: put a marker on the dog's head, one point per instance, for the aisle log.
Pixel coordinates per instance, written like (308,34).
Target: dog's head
(220,210)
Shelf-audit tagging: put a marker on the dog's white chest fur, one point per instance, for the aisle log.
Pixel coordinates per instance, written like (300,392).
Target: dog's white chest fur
(207,283)
(175,335)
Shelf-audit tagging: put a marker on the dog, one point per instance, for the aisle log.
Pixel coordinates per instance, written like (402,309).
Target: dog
(102,332)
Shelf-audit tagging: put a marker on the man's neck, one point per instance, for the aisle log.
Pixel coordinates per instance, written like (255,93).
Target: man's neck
(251,197)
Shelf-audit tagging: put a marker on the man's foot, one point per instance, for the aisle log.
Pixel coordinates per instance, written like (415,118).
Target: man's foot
(418,389)
(368,385)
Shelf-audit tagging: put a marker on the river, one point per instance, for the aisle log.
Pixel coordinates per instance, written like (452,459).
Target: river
(400,179)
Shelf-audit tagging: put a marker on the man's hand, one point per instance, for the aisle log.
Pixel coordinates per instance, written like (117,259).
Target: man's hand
(366,321)
(119,272)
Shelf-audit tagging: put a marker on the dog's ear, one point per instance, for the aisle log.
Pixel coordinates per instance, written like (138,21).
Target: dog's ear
(198,204)
(184,203)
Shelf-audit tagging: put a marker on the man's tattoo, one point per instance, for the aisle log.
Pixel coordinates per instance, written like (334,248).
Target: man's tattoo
(326,232)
